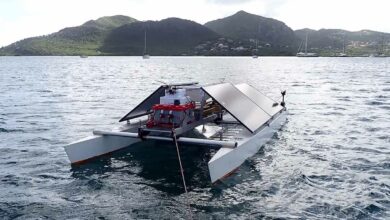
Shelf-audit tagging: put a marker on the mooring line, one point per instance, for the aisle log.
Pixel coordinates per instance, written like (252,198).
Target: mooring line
(182,173)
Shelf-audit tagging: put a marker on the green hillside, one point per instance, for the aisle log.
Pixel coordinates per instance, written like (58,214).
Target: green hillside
(245,26)
(171,36)
(357,43)
(85,39)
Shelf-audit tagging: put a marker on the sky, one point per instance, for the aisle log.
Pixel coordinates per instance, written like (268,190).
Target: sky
(20,19)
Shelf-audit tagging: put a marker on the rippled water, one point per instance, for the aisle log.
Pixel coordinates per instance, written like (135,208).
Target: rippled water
(331,159)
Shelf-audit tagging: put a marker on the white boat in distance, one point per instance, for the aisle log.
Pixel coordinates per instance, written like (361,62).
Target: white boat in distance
(234,119)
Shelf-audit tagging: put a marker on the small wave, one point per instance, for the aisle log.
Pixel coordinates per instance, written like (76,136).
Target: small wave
(318,103)
(339,108)
(385,165)
(383,137)
(375,103)
(363,149)
(58,95)
(382,97)
(37,139)
(297,85)
(345,99)
(373,208)
(48,176)
(3,130)
(44,91)
(320,178)
(385,107)
(364,119)
(319,132)
(373,129)
(15,180)
(333,113)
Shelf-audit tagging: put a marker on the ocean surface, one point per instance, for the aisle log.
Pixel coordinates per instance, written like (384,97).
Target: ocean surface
(331,160)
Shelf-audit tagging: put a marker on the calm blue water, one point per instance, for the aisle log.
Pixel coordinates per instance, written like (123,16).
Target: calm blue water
(331,160)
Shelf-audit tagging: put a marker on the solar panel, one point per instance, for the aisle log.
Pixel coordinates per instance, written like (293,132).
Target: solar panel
(146,105)
(238,105)
(260,99)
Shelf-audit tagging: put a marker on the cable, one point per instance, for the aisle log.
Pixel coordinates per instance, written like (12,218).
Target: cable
(182,172)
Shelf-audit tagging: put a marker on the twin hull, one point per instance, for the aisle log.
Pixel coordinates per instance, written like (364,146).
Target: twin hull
(222,163)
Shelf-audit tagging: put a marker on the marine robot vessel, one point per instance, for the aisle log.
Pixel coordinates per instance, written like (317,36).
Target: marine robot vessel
(235,119)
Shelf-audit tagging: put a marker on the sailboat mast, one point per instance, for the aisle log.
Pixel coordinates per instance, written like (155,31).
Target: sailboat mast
(307,33)
(344,44)
(145,43)
(383,44)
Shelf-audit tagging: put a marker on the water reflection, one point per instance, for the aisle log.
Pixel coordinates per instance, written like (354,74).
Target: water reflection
(154,161)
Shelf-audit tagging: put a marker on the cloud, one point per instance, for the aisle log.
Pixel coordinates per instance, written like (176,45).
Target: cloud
(348,14)
(272,8)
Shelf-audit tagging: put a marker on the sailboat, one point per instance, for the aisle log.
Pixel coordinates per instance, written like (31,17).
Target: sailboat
(305,54)
(254,52)
(145,55)
(381,52)
(343,54)
(254,55)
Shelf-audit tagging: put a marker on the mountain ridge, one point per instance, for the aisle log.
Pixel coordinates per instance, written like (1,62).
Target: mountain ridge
(244,25)
(240,34)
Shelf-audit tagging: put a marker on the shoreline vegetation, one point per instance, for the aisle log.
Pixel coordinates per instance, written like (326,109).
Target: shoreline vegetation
(241,34)
(185,55)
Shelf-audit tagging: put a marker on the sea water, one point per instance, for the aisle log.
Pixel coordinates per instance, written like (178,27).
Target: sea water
(330,160)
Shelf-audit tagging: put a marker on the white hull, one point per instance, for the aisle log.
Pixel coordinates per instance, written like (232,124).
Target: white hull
(227,160)
(95,146)
(98,145)
(307,55)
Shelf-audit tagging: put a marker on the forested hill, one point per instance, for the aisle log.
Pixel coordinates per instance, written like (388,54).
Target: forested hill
(171,36)
(359,43)
(245,26)
(84,39)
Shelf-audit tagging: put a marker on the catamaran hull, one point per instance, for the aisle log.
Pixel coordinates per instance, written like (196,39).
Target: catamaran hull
(227,160)
(95,146)
(223,163)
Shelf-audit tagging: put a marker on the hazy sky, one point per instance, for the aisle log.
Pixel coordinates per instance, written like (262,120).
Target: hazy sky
(25,18)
